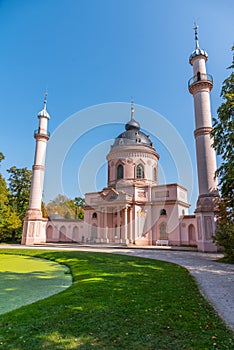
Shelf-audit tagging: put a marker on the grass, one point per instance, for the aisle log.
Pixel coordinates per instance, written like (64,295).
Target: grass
(117,302)
(24,280)
(226,260)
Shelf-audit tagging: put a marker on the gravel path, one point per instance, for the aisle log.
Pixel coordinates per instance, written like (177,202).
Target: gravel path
(216,280)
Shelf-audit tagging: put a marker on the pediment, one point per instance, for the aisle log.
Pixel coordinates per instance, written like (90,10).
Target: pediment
(109,194)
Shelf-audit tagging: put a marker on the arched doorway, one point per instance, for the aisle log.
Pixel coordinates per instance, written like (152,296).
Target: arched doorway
(192,235)
(49,233)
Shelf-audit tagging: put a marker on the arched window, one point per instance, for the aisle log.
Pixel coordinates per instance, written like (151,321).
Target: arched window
(163,231)
(163,212)
(94,216)
(140,171)
(120,171)
(154,174)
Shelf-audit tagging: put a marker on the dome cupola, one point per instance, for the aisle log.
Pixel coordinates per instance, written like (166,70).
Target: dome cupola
(133,135)
(132,124)
(132,158)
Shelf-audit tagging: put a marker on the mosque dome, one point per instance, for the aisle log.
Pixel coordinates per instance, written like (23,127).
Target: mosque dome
(132,125)
(133,135)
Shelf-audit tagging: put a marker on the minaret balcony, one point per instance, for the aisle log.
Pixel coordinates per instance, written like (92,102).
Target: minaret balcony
(41,132)
(200,78)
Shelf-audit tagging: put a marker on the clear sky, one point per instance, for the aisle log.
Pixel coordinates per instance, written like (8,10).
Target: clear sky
(87,53)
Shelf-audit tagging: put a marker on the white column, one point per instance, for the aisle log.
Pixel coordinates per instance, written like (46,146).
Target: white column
(118,224)
(98,225)
(105,225)
(126,225)
(130,225)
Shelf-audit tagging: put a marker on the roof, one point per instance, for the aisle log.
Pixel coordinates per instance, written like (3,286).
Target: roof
(133,135)
(43,112)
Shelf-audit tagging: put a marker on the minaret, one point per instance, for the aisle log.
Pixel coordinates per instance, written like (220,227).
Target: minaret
(200,86)
(34,230)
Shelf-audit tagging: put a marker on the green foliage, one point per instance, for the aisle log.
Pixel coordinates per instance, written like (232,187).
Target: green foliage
(67,208)
(63,206)
(44,210)
(13,226)
(223,137)
(1,156)
(79,202)
(4,207)
(80,214)
(224,235)
(117,302)
(18,197)
(19,185)
(9,219)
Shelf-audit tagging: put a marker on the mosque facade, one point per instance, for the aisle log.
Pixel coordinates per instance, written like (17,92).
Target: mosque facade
(134,208)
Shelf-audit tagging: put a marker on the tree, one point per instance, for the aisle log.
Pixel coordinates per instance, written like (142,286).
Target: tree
(4,206)
(63,206)
(67,208)
(223,143)
(19,185)
(44,210)
(9,219)
(79,203)
(1,156)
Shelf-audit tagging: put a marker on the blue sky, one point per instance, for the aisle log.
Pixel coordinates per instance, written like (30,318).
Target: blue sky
(88,53)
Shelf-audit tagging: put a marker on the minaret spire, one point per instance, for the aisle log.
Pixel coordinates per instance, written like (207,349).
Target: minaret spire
(196,35)
(45,99)
(132,108)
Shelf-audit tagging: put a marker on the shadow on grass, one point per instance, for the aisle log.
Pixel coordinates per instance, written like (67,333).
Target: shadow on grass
(117,302)
(22,280)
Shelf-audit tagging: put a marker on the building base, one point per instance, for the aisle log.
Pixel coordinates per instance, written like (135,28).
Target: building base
(207,247)
(34,231)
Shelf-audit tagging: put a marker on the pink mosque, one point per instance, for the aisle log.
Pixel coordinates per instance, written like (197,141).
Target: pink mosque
(134,209)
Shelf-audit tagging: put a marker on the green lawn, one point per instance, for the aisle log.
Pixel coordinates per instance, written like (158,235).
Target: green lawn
(116,302)
(24,280)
